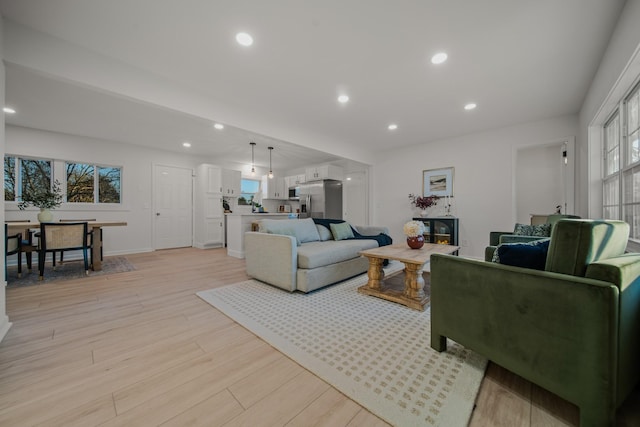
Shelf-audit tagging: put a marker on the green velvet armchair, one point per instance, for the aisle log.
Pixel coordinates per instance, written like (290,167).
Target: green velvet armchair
(498,237)
(573,329)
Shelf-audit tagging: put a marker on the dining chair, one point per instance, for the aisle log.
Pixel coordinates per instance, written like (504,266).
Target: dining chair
(91,240)
(12,246)
(28,245)
(62,236)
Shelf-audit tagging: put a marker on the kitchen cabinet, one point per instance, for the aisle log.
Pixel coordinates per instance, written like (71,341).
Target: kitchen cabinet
(231,183)
(209,178)
(274,188)
(208,213)
(294,180)
(317,173)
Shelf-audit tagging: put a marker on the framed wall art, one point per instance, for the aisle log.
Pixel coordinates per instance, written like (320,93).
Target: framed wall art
(437,182)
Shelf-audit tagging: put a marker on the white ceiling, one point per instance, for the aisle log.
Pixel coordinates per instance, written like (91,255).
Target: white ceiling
(520,61)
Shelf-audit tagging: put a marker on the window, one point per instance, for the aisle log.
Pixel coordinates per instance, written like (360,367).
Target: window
(85,183)
(248,190)
(83,180)
(621,180)
(22,176)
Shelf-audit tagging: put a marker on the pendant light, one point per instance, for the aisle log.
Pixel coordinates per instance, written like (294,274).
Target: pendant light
(253,164)
(270,169)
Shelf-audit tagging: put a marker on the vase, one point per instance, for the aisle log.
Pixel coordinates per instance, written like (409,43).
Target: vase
(45,215)
(423,213)
(415,242)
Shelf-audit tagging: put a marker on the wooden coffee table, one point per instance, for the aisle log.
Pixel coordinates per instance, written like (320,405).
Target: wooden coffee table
(412,294)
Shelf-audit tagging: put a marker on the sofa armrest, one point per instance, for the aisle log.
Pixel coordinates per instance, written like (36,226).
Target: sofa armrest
(371,230)
(272,258)
(518,238)
(494,237)
(556,330)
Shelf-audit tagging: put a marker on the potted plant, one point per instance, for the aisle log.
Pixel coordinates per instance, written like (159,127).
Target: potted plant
(43,198)
(423,203)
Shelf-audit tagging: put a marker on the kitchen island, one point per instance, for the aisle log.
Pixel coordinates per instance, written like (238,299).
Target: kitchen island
(239,223)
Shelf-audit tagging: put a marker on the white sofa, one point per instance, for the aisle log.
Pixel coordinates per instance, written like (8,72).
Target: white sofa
(297,254)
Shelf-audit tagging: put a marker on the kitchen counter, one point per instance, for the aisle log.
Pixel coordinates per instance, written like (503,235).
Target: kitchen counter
(239,223)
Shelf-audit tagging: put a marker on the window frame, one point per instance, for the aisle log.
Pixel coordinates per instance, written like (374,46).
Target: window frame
(58,171)
(626,170)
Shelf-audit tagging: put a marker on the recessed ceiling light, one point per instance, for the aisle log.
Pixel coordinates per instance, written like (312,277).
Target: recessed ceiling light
(392,126)
(343,99)
(186,144)
(439,58)
(9,110)
(244,39)
(218,126)
(470,106)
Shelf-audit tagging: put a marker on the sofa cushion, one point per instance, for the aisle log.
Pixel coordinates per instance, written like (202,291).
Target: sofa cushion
(304,229)
(320,254)
(341,231)
(324,232)
(527,255)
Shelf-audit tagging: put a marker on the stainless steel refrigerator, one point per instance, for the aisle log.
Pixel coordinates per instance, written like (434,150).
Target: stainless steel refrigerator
(321,199)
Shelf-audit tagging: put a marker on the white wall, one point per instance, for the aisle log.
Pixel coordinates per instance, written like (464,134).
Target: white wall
(483,178)
(136,183)
(619,68)
(4,319)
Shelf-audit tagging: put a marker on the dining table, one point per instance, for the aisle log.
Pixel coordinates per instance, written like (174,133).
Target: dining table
(26,227)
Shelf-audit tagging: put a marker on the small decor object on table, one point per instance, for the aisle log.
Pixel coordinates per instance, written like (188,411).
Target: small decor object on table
(43,198)
(423,203)
(414,231)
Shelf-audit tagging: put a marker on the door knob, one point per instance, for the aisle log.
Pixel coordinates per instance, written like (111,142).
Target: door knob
(157,213)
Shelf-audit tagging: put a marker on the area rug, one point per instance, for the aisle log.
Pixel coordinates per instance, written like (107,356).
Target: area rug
(68,271)
(374,351)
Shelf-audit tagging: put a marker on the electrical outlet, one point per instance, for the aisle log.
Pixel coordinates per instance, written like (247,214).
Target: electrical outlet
(464,242)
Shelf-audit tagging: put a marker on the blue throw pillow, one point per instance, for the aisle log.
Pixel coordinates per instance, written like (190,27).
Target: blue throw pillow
(527,255)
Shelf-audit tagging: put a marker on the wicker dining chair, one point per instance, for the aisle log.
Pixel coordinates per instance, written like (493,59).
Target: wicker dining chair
(91,239)
(12,246)
(28,245)
(58,237)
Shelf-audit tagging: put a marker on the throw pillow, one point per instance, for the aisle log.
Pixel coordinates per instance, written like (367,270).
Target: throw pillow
(341,231)
(324,232)
(306,230)
(541,230)
(527,255)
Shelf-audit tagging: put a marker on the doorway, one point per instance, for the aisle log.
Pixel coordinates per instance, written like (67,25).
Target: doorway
(544,180)
(355,199)
(172,207)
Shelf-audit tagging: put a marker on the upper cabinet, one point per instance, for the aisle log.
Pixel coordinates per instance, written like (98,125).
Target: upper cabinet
(274,188)
(213,179)
(317,173)
(293,180)
(231,183)
(209,179)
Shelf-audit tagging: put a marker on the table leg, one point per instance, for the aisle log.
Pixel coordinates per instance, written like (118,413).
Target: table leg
(375,273)
(413,281)
(95,250)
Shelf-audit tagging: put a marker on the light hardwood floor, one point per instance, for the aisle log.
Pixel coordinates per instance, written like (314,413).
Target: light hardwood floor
(141,349)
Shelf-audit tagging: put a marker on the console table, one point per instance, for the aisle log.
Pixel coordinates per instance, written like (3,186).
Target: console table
(441,230)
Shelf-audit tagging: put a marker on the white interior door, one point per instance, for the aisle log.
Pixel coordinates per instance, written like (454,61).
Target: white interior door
(355,198)
(172,201)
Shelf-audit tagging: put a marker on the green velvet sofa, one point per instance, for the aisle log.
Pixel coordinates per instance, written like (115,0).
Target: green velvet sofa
(573,329)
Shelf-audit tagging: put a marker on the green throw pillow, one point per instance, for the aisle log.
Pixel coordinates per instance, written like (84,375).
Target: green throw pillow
(542,230)
(341,231)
